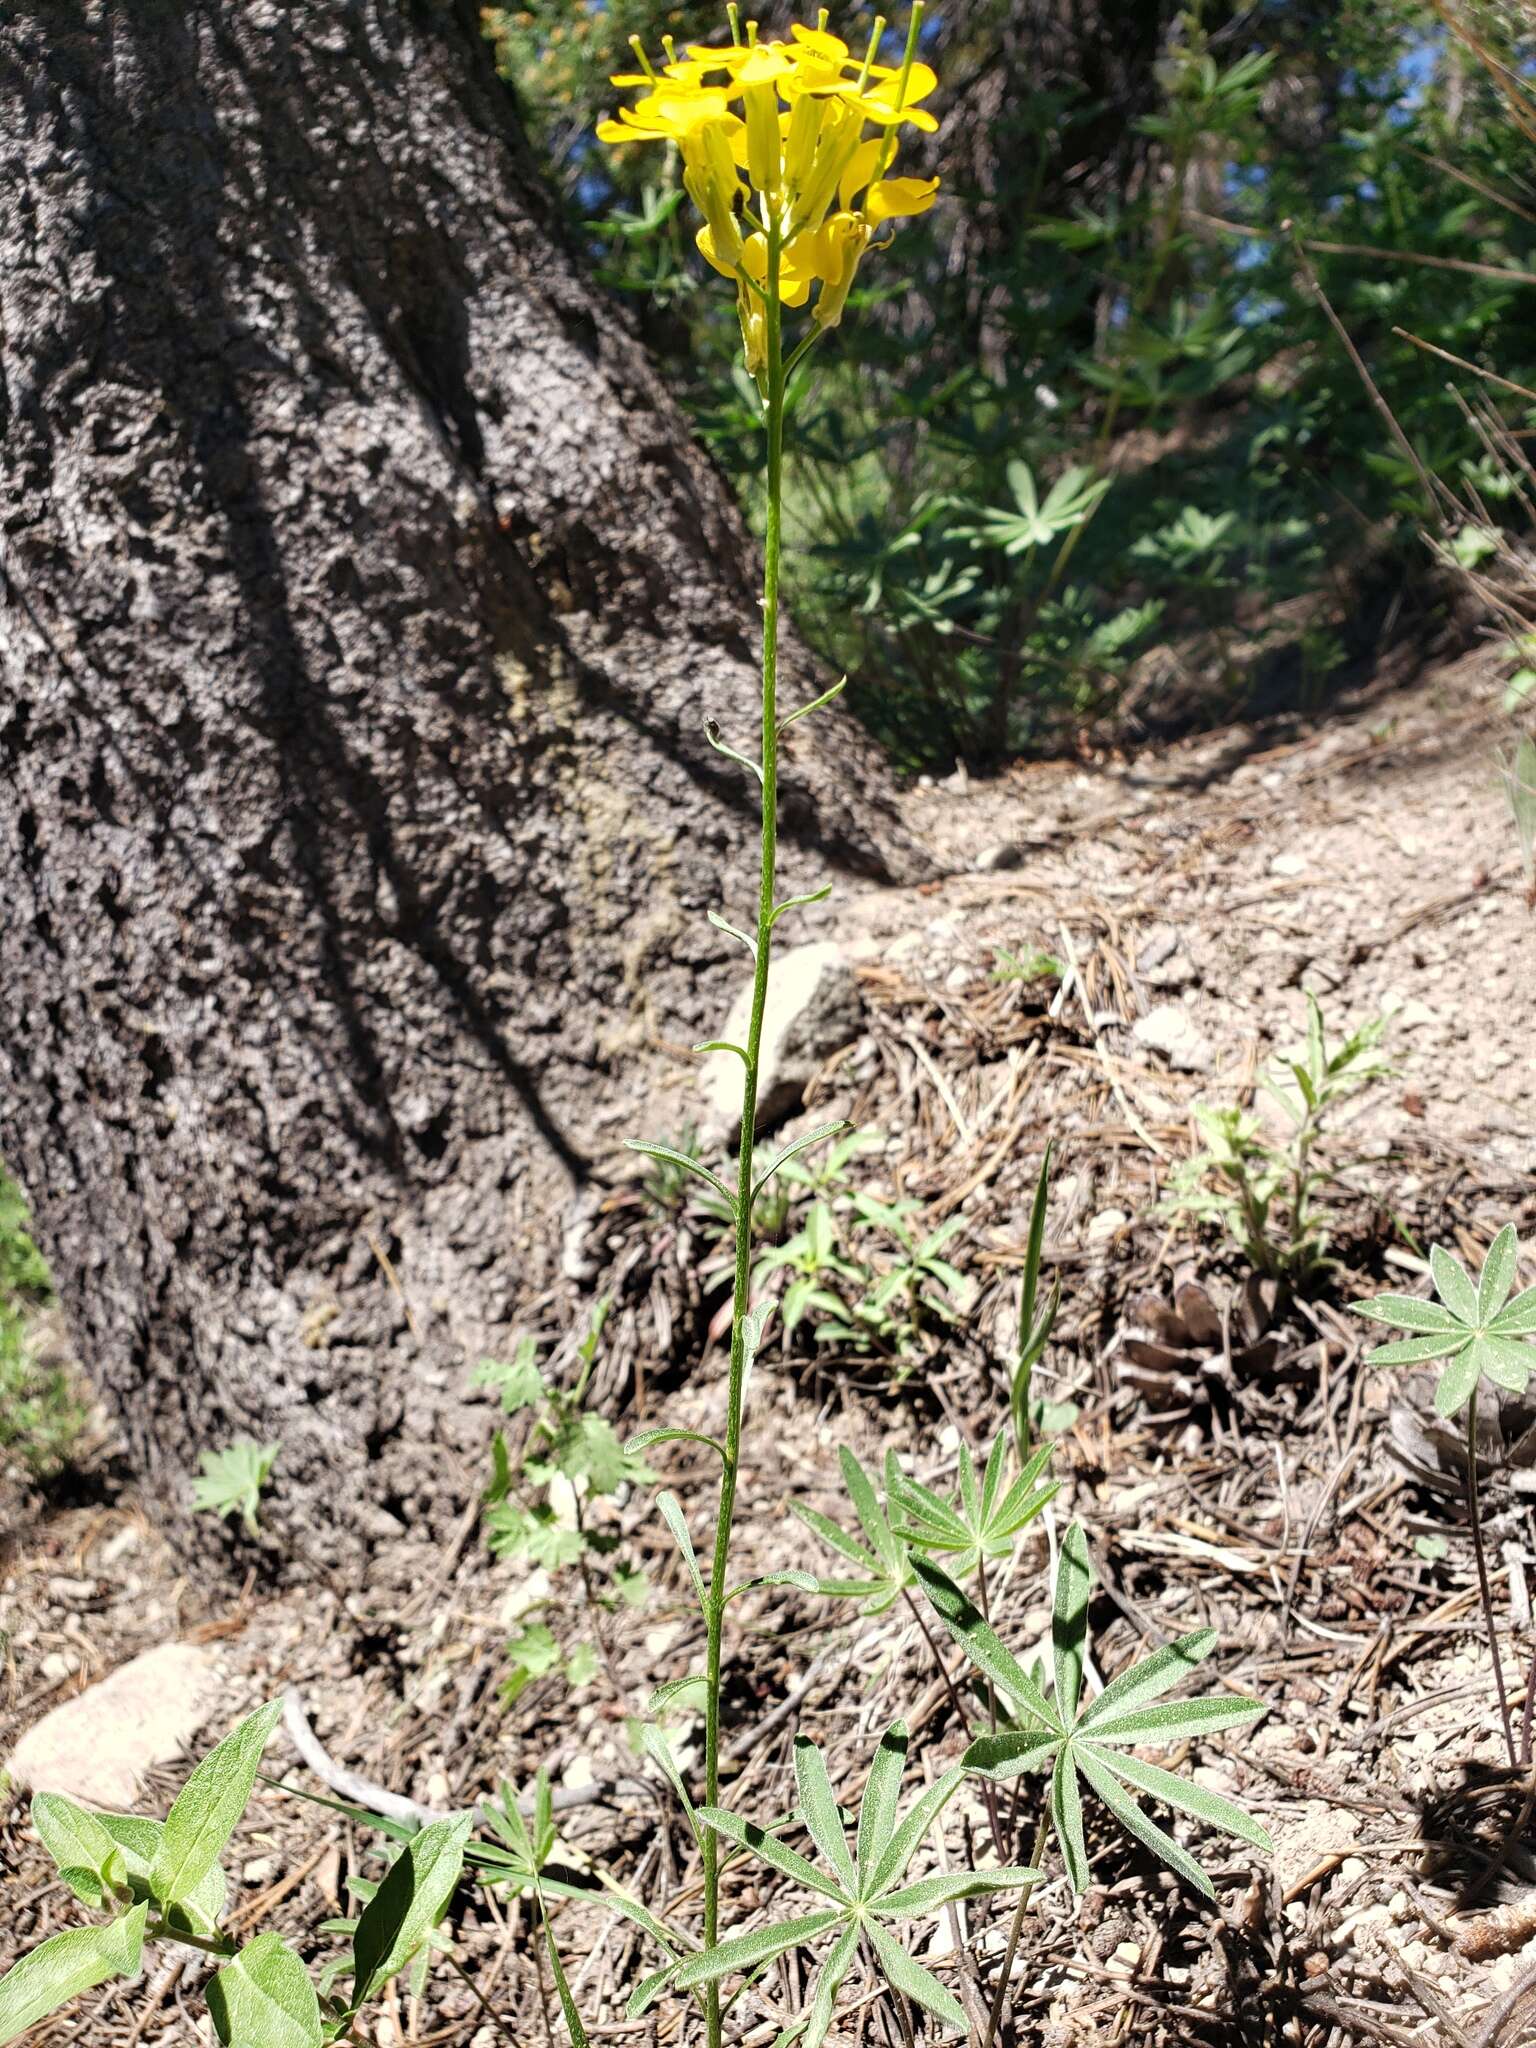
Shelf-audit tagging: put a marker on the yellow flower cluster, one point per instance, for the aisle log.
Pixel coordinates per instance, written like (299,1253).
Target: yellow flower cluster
(777,158)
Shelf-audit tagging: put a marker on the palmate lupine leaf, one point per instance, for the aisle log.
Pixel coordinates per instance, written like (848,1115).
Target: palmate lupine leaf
(1083,1745)
(863,1886)
(1474,1327)
(880,1560)
(983,1519)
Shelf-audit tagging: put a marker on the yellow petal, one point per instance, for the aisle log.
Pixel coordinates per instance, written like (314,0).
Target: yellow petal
(706,242)
(862,166)
(899,198)
(816,40)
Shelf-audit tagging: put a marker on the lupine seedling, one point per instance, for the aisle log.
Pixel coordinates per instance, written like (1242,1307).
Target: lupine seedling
(1479,1333)
(861,1883)
(1090,1744)
(230,1481)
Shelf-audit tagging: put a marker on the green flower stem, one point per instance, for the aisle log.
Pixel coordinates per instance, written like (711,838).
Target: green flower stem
(1482,1582)
(1036,1852)
(731,1464)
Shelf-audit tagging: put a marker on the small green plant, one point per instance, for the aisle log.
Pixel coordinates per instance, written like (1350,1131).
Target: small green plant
(1481,1334)
(162,1881)
(541,1512)
(862,1883)
(1262,1194)
(230,1481)
(1031,965)
(1093,1742)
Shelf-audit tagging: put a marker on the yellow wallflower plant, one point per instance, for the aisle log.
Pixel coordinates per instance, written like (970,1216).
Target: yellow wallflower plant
(787,151)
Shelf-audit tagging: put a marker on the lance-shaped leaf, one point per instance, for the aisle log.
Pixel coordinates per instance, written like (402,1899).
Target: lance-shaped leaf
(407,1905)
(264,1999)
(913,1981)
(60,1968)
(743,1952)
(670,1508)
(139,1840)
(974,1634)
(683,1161)
(207,1807)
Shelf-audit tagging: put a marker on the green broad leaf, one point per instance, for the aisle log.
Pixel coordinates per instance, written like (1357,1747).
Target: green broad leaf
(829,1981)
(66,1964)
(1498,1275)
(264,1999)
(968,1627)
(670,1509)
(88,1860)
(1172,1720)
(743,1952)
(207,1807)
(1139,1824)
(1458,1381)
(1069,1622)
(789,1861)
(1184,1794)
(1453,1284)
(647,1439)
(592,1451)
(1149,1678)
(929,1893)
(139,1840)
(877,1808)
(818,1807)
(1419,1350)
(1519,1318)
(1012,1754)
(1067,1817)
(913,1981)
(1409,1312)
(919,1818)
(407,1905)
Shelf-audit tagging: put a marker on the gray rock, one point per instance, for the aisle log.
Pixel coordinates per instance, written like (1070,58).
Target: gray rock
(98,1746)
(1170,1030)
(813,1009)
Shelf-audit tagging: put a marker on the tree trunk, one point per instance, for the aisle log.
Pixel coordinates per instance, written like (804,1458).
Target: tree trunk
(361,600)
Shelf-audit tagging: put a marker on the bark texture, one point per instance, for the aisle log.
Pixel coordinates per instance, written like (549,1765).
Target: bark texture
(361,600)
